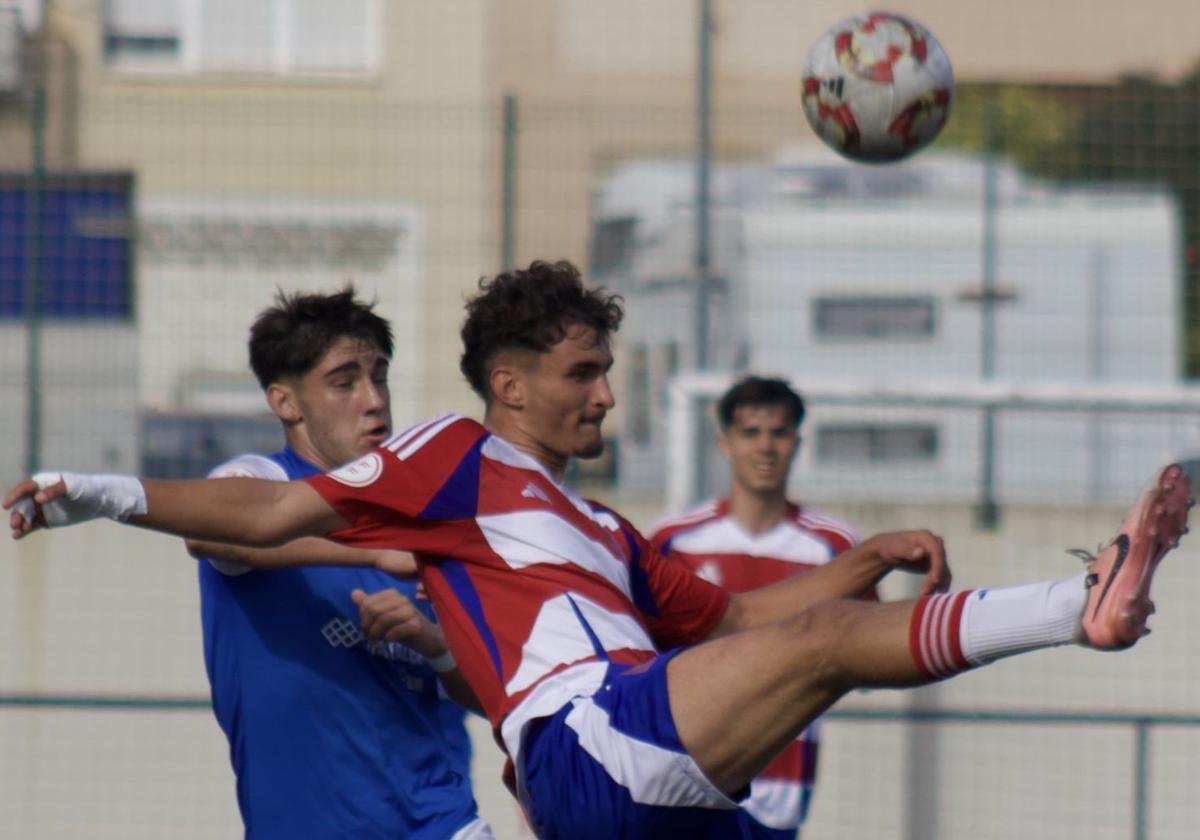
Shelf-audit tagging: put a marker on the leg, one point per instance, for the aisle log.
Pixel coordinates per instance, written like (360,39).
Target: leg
(738,700)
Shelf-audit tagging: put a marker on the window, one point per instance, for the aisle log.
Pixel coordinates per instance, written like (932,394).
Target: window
(876,444)
(873,317)
(243,36)
(612,244)
(177,446)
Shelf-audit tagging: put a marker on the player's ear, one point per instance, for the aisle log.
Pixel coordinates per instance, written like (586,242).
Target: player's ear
(282,399)
(507,384)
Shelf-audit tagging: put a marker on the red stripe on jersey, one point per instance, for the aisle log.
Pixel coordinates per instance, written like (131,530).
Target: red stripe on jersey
(528,580)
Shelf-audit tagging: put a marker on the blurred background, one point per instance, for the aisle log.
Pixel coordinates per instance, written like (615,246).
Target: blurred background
(999,339)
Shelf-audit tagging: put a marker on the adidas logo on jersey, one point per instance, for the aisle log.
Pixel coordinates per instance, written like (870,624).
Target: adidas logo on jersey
(710,571)
(341,633)
(532,491)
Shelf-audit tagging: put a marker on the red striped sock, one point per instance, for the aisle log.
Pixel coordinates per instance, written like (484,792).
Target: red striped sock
(934,636)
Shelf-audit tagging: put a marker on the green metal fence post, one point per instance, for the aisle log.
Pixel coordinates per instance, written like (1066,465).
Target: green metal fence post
(508,208)
(1142,760)
(33,284)
(987,513)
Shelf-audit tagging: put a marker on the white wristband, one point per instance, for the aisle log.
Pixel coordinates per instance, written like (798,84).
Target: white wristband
(442,664)
(92,496)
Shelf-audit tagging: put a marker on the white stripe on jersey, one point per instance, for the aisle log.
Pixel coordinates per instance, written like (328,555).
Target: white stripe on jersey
(498,449)
(785,541)
(821,522)
(411,448)
(400,438)
(651,774)
(705,511)
(558,637)
(527,537)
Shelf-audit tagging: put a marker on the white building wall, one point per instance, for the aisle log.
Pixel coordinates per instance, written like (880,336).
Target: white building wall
(88,387)
(1091,282)
(208,267)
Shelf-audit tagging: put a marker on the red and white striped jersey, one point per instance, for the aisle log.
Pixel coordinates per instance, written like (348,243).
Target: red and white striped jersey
(712,543)
(535,588)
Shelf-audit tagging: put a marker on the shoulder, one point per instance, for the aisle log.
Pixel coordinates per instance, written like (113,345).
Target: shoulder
(667,528)
(447,433)
(249,466)
(830,527)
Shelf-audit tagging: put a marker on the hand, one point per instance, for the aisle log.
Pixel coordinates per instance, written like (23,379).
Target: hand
(399,564)
(388,615)
(25,501)
(917,552)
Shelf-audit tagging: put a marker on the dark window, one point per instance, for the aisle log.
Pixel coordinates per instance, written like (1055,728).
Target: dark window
(189,445)
(612,244)
(876,443)
(874,317)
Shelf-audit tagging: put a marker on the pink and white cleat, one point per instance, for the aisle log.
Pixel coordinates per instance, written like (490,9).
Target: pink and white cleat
(1118,602)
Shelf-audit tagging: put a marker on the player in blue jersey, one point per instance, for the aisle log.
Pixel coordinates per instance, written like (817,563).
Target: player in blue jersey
(330,734)
(635,699)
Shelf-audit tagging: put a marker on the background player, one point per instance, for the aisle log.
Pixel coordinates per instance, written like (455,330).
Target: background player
(634,698)
(330,735)
(755,537)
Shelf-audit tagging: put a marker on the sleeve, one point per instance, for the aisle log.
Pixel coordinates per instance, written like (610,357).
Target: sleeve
(395,495)
(679,607)
(243,466)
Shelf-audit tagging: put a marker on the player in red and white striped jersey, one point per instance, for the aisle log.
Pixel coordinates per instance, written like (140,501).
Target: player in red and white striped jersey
(692,690)
(754,537)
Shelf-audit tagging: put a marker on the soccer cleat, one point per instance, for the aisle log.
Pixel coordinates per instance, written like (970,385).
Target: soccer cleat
(1118,581)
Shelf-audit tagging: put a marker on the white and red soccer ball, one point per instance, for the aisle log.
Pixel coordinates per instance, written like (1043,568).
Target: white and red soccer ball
(877,87)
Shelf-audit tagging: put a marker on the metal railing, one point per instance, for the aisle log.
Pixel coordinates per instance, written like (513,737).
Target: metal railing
(1140,724)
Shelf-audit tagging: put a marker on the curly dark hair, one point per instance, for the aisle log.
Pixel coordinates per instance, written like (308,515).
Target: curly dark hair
(290,337)
(760,391)
(530,309)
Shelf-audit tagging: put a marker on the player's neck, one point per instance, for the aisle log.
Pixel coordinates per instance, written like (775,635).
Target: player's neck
(302,446)
(512,432)
(756,513)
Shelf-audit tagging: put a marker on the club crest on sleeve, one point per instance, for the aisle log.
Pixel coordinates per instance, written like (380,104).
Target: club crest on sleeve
(360,473)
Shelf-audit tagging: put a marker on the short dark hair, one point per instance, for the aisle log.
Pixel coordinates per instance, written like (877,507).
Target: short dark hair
(530,309)
(760,391)
(290,337)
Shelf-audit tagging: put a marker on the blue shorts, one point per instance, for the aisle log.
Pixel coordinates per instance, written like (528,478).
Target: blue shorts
(611,765)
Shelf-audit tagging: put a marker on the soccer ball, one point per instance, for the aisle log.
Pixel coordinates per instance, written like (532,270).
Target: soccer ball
(877,87)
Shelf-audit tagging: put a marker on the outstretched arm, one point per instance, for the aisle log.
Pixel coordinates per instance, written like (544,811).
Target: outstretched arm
(246,511)
(849,575)
(306,551)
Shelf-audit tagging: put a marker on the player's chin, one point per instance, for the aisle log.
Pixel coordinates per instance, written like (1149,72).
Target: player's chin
(593,448)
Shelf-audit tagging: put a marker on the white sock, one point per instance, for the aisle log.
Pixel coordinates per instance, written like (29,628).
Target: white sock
(1001,622)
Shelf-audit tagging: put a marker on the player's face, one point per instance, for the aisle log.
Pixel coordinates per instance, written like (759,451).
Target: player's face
(344,404)
(760,445)
(568,396)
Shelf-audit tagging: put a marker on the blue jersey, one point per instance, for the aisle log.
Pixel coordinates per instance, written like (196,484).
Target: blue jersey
(329,735)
